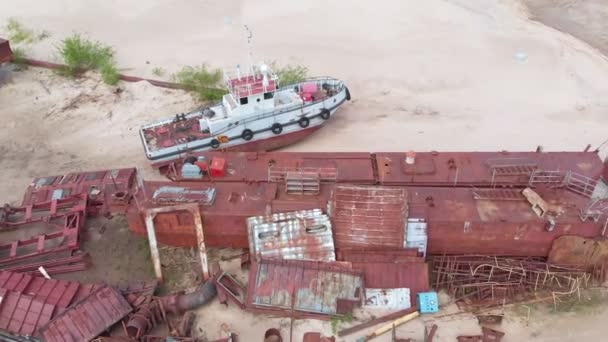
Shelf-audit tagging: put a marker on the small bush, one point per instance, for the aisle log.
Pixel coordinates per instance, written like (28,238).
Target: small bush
(160,72)
(201,79)
(19,34)
(19,58)
(109,74)
(290,74)
(80,54)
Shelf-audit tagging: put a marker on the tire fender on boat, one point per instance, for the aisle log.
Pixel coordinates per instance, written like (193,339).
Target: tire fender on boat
(325,114)
(347,93)
(215,143)
(277,128)
(247,134)
(303,122)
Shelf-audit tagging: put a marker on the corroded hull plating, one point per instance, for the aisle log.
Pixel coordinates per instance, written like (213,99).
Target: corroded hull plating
(478,212)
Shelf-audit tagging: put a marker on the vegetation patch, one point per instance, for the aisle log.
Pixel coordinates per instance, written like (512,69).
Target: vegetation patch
(19,58)
(290,74)
(158,71)
(206,82)
(80,54)
(337,321)
(21,39)
(19,34)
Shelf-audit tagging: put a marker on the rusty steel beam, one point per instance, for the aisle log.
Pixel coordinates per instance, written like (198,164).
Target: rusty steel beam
(194,210)
(376,321)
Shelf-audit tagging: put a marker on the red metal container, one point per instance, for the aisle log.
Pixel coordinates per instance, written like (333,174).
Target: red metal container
(218,167)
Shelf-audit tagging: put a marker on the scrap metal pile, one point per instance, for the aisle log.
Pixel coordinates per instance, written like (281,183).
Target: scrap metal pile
(327,232)
(482,281)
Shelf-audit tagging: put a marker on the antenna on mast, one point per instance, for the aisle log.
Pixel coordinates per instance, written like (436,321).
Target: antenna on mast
(249,48)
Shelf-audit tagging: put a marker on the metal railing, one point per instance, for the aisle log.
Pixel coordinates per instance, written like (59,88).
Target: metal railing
(278,174)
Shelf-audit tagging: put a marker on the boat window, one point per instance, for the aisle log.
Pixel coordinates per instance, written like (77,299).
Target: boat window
(268,95)
(244,100)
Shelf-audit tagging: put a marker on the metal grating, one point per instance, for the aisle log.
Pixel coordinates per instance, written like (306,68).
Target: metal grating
(368,216)
(303,235)
(88,318)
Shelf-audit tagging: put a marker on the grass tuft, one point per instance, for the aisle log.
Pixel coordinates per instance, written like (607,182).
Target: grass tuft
(80,54)
(290,74)
(158,71)
(201,79)
(19,58)
(19,34)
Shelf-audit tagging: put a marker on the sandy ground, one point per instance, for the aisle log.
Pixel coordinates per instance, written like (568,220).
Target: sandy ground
(432,75)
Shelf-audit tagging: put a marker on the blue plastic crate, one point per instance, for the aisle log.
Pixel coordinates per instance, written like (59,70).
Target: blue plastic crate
(428,302)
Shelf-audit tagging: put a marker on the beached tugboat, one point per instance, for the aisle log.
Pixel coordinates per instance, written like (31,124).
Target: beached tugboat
(255,115)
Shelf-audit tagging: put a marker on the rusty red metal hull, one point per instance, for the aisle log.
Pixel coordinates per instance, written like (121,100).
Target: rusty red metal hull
(457,222)
(6,54)
(472,202)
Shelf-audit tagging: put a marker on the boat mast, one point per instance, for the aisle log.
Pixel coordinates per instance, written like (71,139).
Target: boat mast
(249,48)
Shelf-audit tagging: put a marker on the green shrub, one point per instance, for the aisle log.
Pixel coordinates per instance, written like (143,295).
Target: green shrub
(290,74)
(19,34)
(158,71)
(80,54)
(201,79)
(19,58)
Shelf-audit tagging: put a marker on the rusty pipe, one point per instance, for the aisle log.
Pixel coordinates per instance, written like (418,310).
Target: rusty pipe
(149,315)
(180,303)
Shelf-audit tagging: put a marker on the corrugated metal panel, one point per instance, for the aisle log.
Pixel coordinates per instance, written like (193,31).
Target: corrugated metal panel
(52,291)
(303,287)
(22,314)
(368,216)
(302,235)
(88,318)
(398,298)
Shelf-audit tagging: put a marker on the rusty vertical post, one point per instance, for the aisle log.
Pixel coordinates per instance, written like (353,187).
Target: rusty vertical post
(200,239)
(149,217)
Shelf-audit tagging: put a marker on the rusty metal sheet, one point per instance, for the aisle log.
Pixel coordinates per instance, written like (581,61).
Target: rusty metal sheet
(302,288)
(88,318)
(301,235)
(22,314)
(414,276)
(110,189)
(366,216)
(178,194)
(60,293)
(6,54)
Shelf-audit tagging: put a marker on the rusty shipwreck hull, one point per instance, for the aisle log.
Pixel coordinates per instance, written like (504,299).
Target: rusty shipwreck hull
(455,169)
(457,222)
(471,202)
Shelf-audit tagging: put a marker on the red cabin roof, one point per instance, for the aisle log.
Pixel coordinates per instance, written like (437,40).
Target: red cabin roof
(250,85)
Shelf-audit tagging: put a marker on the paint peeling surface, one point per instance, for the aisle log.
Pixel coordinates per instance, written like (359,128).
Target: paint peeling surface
(22,314)
(304,287)
(108,187)
(301,235)
(87,319)
(6,54)
(398,298)
(368,216)
(177,194)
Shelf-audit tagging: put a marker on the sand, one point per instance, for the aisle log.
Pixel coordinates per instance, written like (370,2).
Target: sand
(424,75)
